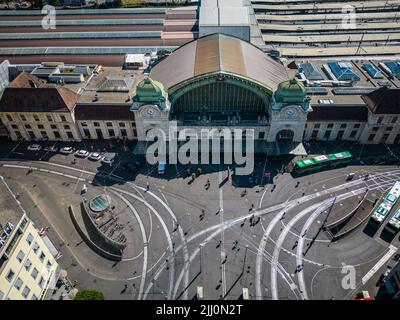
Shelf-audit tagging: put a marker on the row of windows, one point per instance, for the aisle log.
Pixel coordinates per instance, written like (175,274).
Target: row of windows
(392,120)
(41,127)
(44,135)
(108,124)
(36,117)
(339,136)
(330,126)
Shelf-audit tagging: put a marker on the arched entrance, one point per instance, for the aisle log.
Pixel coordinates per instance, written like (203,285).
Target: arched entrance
(285,136)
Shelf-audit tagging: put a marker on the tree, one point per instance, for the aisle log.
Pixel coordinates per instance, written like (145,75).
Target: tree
(89,295)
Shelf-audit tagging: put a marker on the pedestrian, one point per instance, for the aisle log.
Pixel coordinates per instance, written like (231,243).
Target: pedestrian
(147,187)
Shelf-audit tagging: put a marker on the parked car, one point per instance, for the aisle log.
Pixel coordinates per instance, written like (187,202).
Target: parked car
(52,148)
(67,150)
(108,160)
(94,156)
(350,176)
(34,147)
(131,167)
(81,153)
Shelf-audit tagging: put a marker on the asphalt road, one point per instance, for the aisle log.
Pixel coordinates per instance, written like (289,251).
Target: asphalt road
(180,247)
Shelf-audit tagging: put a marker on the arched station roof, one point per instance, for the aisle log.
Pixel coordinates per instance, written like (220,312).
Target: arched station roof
(219,53)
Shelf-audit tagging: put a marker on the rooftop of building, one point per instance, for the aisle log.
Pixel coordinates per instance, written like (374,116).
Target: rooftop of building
(219,53)
(111,85)
(327,88)
(28,93)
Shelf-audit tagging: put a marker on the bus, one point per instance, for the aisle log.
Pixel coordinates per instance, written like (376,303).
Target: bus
(393,226)
(321,162)
(383,210)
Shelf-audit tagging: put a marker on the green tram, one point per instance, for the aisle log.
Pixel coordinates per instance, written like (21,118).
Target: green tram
(383,210)
(393,226)
(322,162)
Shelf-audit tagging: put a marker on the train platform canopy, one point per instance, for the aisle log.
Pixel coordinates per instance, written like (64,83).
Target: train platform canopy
(219,53)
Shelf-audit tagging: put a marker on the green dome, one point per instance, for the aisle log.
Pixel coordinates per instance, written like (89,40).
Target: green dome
(291,91)
(149,90)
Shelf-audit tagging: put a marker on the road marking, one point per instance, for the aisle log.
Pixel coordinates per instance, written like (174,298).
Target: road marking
(223,254)
(379,264)
(144,237)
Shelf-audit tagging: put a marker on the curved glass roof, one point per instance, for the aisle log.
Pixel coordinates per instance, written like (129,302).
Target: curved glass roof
(82,11)
(100,203)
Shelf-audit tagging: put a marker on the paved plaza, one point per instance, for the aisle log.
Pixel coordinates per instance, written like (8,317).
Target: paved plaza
(221,232)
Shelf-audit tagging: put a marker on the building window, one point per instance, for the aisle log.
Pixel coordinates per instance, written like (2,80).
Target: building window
(49,118)
(83,124)
(111,132)
(371,137)
(385,137)
(261,135)
(353,134)
(18,283)
(356,126)
(29,239)
(26,292)
(44,134)
(18,134)
(389,128)
(48,265)
(20,256)
(394,119)
(380,119)
(339,136)
(14,126)
(374,129)
(23,118)
(70,135)
(343,125)
(35,116)
(96,124)
(34,273)
(42,256)
(35,247)
(314,135)
(57,135)
(53,126)
(9,118)
(28,264)
(317,126)
(109,124)
(41,282)
(327,134)
(330,125)
(123,132)
(28,126)
(40,126)
(10,275)
(122,124)
(66,127)
(31,134)
(34,297)
(63,118)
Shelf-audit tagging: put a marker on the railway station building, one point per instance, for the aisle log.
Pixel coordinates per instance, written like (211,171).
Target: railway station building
(215,82)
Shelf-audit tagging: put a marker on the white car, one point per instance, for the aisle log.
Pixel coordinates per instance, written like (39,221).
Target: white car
(51,149)
(81,153)
(108,160)
(34,147)
(95,156)
(67,150)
